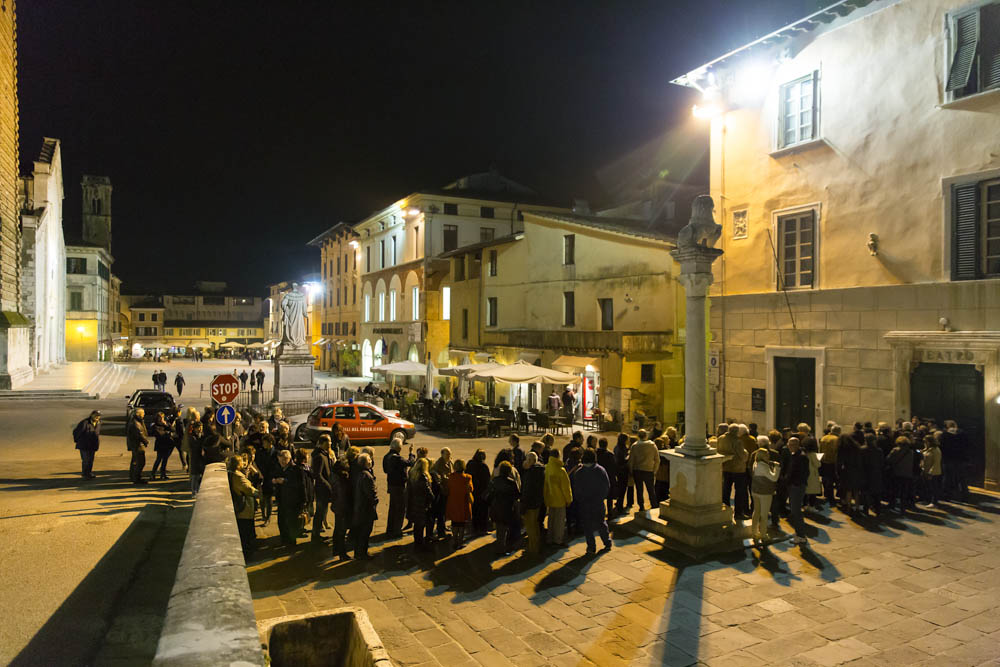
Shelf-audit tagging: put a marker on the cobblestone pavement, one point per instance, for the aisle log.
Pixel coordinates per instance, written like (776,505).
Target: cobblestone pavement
(919,590)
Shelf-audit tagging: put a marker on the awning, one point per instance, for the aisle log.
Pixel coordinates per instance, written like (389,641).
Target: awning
(404,368)
(468,369)
(574,362)
(524,372)
(232,344)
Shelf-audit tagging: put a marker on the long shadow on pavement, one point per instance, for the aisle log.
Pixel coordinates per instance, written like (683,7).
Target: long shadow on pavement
(116,613)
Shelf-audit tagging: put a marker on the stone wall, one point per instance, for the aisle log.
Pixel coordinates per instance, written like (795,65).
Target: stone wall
(848,327)
(210,616)
(10,237)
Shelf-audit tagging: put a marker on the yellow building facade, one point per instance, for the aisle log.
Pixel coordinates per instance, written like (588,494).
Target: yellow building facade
(594,296)
(336,345)
(855,171)
(404,311)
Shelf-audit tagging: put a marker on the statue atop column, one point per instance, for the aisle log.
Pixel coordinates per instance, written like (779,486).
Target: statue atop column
(293,320)
(702,228)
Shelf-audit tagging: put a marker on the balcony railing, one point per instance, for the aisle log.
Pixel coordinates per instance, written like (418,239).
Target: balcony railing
(625,342)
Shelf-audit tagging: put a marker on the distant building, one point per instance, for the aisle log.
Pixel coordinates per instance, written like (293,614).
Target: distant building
(15,328)
(43,257)
(340,272)
(181,323)
(92,318)
(856,174)
(404,311)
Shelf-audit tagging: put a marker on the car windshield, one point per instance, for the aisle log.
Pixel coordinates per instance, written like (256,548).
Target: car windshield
(157,402)
(364,412)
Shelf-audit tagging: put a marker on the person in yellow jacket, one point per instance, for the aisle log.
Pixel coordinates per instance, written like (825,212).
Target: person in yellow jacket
(558,496)
(242,493)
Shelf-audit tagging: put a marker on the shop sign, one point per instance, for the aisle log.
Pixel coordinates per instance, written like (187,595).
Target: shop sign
(387,330)
(714,368)
(758,399)
(946,356)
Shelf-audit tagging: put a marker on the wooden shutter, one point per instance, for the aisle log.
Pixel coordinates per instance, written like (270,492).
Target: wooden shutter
(965,232)
(989,50)
(966,38)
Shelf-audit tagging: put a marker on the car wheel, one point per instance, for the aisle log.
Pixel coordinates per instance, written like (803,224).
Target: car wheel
(300,433)
(398,431)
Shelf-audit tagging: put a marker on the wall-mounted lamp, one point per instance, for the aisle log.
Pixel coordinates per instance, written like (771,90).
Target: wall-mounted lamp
(628,299)
(944,324)
(873,244)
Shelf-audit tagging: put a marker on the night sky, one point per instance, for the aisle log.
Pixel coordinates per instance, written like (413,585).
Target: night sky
(234,132)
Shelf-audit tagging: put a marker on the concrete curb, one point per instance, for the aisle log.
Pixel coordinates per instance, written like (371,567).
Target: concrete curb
(210,617)
(362,648)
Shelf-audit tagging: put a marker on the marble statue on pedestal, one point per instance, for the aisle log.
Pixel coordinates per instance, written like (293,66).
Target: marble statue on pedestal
(293,320)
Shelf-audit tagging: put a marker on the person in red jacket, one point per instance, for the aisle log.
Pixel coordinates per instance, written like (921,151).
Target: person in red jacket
(459,507)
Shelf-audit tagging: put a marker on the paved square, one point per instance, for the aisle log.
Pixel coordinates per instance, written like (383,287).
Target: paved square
(919,590)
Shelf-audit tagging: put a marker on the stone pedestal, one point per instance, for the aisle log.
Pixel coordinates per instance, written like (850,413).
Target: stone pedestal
(695,517)
(293,374)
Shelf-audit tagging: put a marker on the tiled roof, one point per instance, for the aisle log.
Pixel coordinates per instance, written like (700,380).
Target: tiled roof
(629,227)
(48,150)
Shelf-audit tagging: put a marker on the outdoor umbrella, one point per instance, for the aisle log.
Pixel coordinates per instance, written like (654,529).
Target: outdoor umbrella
(232,344)
(464,371)
(401,368)
(522,371)
(429,378)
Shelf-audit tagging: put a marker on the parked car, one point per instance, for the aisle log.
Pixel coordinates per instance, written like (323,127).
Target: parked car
(152,401)
(364,423)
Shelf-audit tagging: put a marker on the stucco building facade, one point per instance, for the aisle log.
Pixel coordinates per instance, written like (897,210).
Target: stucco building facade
(404,311)
(590,295)
(856,172)
(43,257)
(337,347)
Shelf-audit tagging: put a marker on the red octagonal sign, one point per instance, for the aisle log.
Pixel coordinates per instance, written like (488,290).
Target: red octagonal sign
(225,388)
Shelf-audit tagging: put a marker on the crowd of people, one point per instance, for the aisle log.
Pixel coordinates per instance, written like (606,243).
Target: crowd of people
(542,493)
(785,473)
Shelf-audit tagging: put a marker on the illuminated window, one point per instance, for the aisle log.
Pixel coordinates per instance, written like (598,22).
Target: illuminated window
(415,301)
(798,119)
(976,230)
(368,307)
(393,251)
(445,303)
(392,305)
(381,306)
(796,245)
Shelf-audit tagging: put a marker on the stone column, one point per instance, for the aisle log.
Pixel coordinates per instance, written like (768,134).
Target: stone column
(695,520)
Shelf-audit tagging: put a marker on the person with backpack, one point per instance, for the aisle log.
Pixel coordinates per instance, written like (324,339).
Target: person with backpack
(87,436)
(242,494)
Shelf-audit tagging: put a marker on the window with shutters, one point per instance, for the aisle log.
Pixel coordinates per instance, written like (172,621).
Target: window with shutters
(465,324)
(486,212)
(798,114)
(486,234)
(975,243)
(450,209)
(607,314)
(796,244)
(974,41)
(450,237)
(569,309)
(76,300)
(569,249)
(459,271)
(491,311)
(492,263)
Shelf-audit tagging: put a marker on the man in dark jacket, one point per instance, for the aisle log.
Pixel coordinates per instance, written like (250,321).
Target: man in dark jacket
(136,440)
(291,497)
(532,499)
(365,504)
(590,491)
(87,436)
(243,380)
(260,380)
(341,483)
(606,460)
(954,458)
(163,445)
(798,476)
(872,463)
(395,468)
(322,471)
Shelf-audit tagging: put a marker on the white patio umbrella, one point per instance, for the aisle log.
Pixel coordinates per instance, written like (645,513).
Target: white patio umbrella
(430,372)
(401,368)
(463,372)
(522,371)
(256,346)
(232,344)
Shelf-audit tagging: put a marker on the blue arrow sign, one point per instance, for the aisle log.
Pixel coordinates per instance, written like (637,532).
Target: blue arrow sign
(225,415)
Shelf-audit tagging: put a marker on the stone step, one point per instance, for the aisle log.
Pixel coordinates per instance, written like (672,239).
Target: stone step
(44,395)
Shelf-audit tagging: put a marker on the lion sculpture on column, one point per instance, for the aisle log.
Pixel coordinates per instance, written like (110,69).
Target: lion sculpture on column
(702,227)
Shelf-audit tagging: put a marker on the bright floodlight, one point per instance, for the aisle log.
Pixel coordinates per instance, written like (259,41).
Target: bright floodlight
(413,211)
(706,110)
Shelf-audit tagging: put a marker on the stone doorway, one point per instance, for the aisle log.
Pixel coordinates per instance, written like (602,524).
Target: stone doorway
(794,388)
(953,391)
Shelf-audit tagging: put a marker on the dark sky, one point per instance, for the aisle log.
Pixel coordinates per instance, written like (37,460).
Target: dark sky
(234,132)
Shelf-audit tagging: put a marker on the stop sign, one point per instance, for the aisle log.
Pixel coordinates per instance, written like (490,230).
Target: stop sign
(225,388)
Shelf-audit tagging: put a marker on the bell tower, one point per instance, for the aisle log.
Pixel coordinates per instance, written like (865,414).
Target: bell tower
(97,210)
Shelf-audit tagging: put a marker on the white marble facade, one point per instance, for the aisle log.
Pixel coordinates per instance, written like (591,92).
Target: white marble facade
(43,258)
